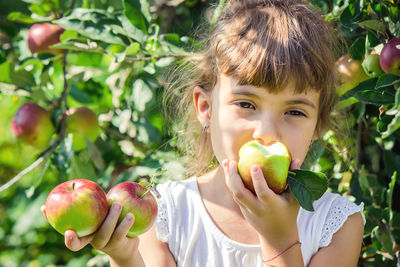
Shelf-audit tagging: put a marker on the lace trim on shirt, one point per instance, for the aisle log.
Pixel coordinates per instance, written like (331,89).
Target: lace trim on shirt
(340,209)
(162,221)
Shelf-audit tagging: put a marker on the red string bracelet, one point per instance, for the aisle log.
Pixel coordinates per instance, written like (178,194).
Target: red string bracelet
(282,252)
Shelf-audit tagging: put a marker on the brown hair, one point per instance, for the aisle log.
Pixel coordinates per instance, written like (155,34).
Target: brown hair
(263,43)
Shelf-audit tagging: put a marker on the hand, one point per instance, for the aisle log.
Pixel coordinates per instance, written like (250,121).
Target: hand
(110,238)
(273,216)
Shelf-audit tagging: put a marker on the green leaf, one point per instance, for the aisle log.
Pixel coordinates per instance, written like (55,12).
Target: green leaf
(307,186)
(365,85)
(390,190)
(133,13)
(387,80)
(373,24)
(393,126)
(357,48)
(374,97)
(94,24)
(371,40)
(141,95)
(20,17)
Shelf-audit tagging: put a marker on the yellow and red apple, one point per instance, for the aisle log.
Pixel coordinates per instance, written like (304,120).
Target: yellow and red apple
(82,123)
(139,201)
(42,36)
(79,205)
(32,124)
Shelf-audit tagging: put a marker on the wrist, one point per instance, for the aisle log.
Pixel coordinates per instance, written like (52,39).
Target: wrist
(282,253)
(130,260)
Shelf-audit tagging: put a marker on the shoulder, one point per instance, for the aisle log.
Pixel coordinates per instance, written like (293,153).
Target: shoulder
(330,213)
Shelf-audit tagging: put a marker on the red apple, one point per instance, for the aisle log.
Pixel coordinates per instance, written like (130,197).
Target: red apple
(79,205)
(350,73)
(32,123)
(274,161)
(82,123)
(42,36)
(139,201)
(390,57)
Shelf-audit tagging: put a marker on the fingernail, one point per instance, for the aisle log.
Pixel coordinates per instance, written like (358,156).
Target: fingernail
(254,168)
(116,206)
(129,216)
(231,164)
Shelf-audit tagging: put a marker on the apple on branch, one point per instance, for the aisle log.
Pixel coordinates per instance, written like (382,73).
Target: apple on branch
(139,201)
(389,58)
(274,161)
(42,36)
(371,65)
(32,123)
(82,123)
(350,73)
(79,205)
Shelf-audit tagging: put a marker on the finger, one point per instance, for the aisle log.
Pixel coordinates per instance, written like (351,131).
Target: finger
(263,192)
(241,194)
(104,233)
(122,229)
(295,164)
(73,242)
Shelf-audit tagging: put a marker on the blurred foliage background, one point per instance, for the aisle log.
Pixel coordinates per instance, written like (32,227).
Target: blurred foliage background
(116,54)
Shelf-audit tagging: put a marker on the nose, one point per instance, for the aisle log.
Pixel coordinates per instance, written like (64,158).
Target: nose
(267,131)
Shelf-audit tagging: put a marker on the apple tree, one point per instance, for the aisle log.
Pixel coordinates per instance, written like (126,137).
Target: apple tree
(366,167)
(80,97)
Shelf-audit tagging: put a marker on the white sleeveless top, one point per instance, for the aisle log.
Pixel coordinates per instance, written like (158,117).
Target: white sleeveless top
(195,241)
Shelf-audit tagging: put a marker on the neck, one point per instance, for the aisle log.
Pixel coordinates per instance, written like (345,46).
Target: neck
(213,188)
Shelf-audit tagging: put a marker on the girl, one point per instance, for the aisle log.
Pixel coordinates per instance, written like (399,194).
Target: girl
(266,73)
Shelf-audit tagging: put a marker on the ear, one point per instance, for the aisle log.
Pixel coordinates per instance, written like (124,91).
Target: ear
(202,104)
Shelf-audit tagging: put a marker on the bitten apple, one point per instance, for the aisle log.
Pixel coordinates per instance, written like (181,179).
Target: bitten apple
(32,123)
(274,161)
(82,123)
(139,201)
(389,58)
(42,36)
(79,205)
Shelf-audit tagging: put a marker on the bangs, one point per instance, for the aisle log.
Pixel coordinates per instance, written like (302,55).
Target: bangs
(271,48)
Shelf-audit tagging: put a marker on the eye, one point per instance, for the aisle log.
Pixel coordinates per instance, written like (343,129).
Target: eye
(245,105)
(295,113)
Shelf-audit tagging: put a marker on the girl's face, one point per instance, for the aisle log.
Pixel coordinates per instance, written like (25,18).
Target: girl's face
(239,114)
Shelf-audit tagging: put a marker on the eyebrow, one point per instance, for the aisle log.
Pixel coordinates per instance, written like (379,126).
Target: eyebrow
(300,101)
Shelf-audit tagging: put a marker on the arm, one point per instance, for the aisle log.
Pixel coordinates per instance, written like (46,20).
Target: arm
(273,216)
(154,251)
(345,245)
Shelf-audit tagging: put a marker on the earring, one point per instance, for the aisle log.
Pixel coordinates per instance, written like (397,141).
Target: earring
(311,142)
(205,128)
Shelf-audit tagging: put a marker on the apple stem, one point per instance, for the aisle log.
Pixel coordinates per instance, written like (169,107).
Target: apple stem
(152,188)
(147,191)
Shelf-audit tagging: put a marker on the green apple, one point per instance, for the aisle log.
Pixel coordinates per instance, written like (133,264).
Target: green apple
(350,73)
(82,123)
(274,161)
(79,205)
(371,65)
(139,201)
(32,124)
